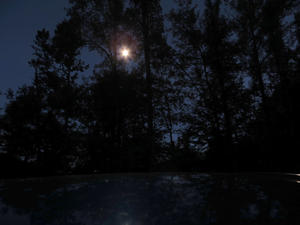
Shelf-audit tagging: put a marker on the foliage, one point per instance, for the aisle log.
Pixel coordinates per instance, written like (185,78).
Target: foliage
(218,90)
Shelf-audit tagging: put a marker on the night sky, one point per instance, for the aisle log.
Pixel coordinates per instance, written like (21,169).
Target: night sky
(19,21)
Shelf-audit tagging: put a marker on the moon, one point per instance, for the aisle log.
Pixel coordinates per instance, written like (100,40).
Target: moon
(125,53)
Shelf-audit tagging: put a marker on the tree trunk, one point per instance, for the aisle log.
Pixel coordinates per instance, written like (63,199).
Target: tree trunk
(145,23)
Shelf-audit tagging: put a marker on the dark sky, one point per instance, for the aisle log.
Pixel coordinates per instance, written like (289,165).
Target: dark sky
(19,21)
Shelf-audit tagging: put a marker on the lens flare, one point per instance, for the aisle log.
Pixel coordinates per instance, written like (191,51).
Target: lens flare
(125,53)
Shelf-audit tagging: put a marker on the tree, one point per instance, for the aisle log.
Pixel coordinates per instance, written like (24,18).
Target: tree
(209,65)
(42,118)
(103,30)
(147,19)
(253,45)
(275,31)
(106,27)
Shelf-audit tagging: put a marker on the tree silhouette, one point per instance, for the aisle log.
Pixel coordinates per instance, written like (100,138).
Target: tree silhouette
(218,90)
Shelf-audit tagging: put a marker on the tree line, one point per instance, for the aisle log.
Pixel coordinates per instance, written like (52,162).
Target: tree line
(204,89)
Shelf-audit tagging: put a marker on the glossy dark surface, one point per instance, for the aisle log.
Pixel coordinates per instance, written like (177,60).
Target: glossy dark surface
(140,199)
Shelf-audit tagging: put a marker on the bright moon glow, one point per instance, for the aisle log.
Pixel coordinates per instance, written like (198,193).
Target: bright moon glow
(125,52)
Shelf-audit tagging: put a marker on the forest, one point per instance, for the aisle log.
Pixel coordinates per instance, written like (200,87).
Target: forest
(203,87)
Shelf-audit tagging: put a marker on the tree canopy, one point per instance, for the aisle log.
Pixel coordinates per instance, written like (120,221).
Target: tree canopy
(202,89)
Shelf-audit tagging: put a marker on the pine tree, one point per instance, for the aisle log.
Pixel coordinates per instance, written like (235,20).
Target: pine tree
(208,58)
